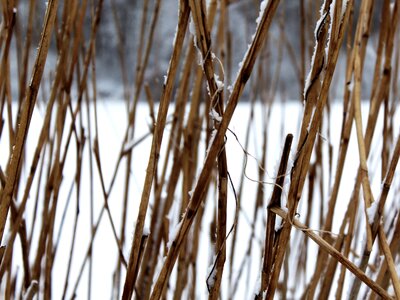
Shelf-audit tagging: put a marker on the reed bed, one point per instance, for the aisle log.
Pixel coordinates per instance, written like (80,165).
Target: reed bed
(188,204)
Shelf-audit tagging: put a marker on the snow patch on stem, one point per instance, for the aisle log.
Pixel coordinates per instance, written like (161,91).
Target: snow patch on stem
(173,234)
(371,212)
(215,116)
(263,6)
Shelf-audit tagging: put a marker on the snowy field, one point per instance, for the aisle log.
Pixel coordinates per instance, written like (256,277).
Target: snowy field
(284,119)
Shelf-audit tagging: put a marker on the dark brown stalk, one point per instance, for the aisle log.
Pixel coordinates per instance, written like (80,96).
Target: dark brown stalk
(271,217)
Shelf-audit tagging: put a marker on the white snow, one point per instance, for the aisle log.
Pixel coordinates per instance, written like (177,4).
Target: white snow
(192,30)
(344,6)
(212,137)
(173,234)
(146,230)
(220,83)
(263,6)
(278,223)
(128,145)
(31,289)
(350,86)
(112,126)
(371,211)
(258,284)
(308,78)
(391,7)
(215,115)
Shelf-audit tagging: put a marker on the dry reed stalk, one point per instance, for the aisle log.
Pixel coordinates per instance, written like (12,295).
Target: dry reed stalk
(177,172)
(215,147)
(302,74)
(155,150)
(389,260)
(271,219)
(381,202)
(203,43)
(91,168)
(346,130)
(158,231)
(177,130)
(327,282)
(368,197)
(240,193)
(383,275)
(192,133)
(5,77)
(305,145)
(361,40)
(259,199)
(333,252)
(139,79)
(142,64)
(55,178)
(30,100)
(105,196)
(121,50)
(139,68)
(382,90)
(37,156)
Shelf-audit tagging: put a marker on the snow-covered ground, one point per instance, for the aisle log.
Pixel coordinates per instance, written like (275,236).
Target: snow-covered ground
(285,118)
